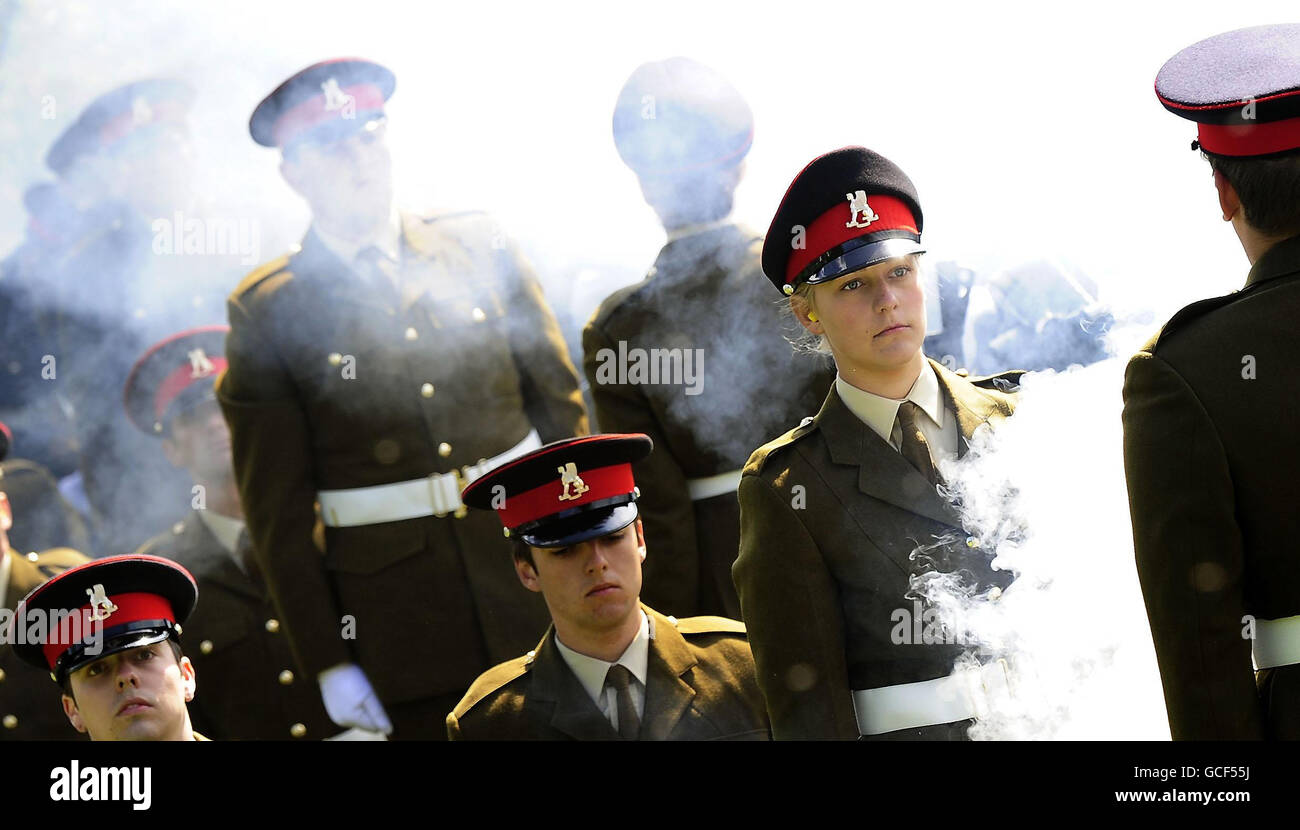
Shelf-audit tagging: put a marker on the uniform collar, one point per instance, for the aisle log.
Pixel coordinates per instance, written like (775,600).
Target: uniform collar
(591,671)
(224,528)
(879,412)
(1283,258)
(387,238)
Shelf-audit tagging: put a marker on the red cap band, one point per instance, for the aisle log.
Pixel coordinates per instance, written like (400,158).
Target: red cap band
(77,626)
(1250,139)
(122,124)
(832,229)
(180,380)
(540,502)
(313,112)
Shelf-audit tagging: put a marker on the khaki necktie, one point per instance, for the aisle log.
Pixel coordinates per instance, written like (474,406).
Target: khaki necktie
(913,445)
(629,725)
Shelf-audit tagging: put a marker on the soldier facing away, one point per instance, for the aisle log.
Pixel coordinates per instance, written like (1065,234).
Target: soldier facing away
(1211,428)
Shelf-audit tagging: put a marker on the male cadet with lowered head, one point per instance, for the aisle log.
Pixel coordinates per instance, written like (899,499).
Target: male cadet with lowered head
(1211,426)
(610,667)
(251,689)
(22,717)
(685,131)
(110,639)
(376,370)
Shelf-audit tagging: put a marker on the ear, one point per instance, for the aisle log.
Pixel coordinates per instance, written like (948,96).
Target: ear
(74,716)
(6,513)
(1229,202)
(640,539)
(175,455)
(527,575)
(189,678)
(804,312)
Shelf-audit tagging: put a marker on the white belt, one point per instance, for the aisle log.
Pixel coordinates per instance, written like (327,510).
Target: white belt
(434,495)
(1276,643)
(961,695)
(707,488)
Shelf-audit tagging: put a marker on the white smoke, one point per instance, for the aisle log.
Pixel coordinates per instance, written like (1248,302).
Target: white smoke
(1046,491)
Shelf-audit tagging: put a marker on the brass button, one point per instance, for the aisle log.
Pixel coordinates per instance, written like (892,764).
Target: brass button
(273,625)
(10,722)
(411,333)
(178,528)
(478,315)
(427,390)
(205,647)
(297,730)
(286,677)
(972,542)
(2,675)
(461,512)
(33,557)
(995,592)
(444,449)
(335,358)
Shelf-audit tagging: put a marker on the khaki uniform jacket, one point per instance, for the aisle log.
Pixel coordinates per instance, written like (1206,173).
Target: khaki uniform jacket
(334,382)
(29,700)
(830,516)
(699,687)
(239,648)
(1211,450)
(706,291)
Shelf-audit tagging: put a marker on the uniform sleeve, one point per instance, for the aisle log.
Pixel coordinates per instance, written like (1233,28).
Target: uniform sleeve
(1189,555)
(548,378)
(671,576)
(272,453)
(792,612)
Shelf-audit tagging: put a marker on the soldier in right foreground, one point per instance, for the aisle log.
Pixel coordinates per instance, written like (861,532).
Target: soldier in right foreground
(1211,424)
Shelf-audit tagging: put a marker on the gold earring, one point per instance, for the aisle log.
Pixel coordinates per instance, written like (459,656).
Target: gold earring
(812,316)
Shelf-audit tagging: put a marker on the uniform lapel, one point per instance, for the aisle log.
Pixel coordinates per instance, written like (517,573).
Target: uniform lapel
(975,410)
(554,688)
(667,695)
(219,567)
(882,472)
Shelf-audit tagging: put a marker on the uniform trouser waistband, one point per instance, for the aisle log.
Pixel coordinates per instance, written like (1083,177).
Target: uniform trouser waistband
(1276,643)
(434,495)
(962,695)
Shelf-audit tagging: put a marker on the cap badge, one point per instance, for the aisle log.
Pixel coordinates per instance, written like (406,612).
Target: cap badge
(141,112)
(858,205)
(99,601)
(335,98)
(200,366)
(572,483)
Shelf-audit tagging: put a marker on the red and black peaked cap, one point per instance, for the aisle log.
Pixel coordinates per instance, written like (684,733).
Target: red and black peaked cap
(325,102)
(1242,88)
(103,607)
(118,114)
(174,376)
(846,210)
(565,492)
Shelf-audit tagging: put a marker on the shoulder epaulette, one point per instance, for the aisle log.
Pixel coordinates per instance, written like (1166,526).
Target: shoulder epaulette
(493,679)
(1008,381)
(261,273)
(710,625)
(759,457)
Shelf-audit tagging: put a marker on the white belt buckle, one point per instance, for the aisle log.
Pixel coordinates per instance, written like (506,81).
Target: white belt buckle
(444,493)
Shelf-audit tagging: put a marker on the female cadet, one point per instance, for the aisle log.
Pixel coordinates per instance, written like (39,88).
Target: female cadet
(835,512)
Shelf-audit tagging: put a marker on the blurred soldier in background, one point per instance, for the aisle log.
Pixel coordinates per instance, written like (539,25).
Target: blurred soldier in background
(27,709)
(1043,316)
(49,521)
(251,687)
(89,292)
(685,131)
(376,370)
